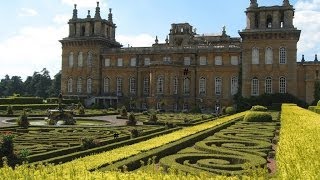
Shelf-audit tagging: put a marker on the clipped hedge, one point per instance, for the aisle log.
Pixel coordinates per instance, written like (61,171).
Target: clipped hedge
(256,116)
(259,108)
(21,100)
(31,106)
(64,101)
(230,110)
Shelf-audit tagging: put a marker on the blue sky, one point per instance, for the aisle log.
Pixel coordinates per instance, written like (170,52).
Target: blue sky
(31,28)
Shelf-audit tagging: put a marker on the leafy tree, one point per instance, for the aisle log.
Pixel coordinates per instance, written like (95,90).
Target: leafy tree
(55,88)
(316,92)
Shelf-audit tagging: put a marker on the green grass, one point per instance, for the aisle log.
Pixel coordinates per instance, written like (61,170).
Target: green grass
(174,117)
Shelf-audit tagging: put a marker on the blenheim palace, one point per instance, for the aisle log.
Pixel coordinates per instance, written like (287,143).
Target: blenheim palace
(188,70)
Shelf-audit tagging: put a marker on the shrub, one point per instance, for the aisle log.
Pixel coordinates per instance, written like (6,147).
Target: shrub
(111,109)
(153,117)
(259,108)
(21,100)
(134,133)
(186,120)
(87,143)
(195,110)
(9,110)
(230,110)
(318,104)
(145,113)
(123,112)
(256,116)
(81,110)
(131,120)
(23,120)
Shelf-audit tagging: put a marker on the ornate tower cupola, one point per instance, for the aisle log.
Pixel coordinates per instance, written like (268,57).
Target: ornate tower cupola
(97,15)
(88,16)
(253,3)
(181,34)
(75,12)
(286,3)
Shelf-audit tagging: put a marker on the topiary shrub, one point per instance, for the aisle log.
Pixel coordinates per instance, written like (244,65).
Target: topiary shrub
(87,143)
(131,120)
(256,116)
(81,110)
(153,117)
(23,120)
(145,113)
(259,108)
(134,133)
(318,104)
(230,110)
(123,112)
(9,110)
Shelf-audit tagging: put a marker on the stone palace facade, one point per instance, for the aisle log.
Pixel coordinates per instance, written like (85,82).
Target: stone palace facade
(188,70)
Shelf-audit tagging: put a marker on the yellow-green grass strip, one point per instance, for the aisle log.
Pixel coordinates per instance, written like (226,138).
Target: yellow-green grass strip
(298,153)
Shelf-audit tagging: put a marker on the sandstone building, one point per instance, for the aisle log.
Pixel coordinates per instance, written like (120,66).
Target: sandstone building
(188,70)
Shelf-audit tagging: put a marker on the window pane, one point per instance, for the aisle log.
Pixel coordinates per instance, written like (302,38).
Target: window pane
(107,62)
(203,60)
(218,60)
(133,62)
(255,56)
(234,60)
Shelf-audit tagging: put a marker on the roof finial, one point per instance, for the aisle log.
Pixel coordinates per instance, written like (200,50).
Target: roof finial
(224,32)
(286,3)
(156,41)
(303,60)
(253,3)
(75,12)
(316,58)
(88,16)
(97,15)
(167,40)
(110,15)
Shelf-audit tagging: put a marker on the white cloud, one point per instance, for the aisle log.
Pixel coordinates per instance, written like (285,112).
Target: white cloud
(141,40)
(85,3)
(307,19)
(32,49)
(27,12)
(62,18)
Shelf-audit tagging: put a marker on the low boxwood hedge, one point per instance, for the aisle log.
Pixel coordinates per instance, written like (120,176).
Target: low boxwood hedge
(21,100)
(32,106)
(256,116)
(259,108)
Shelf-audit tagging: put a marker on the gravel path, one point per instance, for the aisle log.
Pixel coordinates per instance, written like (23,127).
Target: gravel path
(112,119)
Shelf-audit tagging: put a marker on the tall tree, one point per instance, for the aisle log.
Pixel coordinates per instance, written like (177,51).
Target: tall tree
(55,85)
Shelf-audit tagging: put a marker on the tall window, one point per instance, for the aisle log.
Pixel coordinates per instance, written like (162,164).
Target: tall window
(107,62)
(133,62)
(167,59)
(89,59)
(268,85)
(71,59)
(282,55)
(89,86)
(234,85)
(132,85)
(255,55)
(186,85)
(268,55)
(218,60)
(187,61)
(218,87)
(79,85)
(160,85)
(106,85)
(120,62)
(234,60)
(283,85)
(70,85)
(119,86)
(80,59)
(147,61)
(202,85)
(175,85)
(255,87)
(146,86)
(203,61)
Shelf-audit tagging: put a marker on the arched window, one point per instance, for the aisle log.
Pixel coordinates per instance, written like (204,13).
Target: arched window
(79,85)
(175,85)
(132,85)
(80,59)
(69,85)
(71,59)
(89,85)
(255,87)
(268,85)
(202,86)
(89,59)
(186,85)
(119,86)
(255,55)
(269,21)
(218,86)
(282,55)
(268,55)
(160,85)
(234,85)
(282,85)
(146,86)
(106,85)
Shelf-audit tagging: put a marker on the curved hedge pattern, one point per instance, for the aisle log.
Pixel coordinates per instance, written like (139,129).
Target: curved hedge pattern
(228,152)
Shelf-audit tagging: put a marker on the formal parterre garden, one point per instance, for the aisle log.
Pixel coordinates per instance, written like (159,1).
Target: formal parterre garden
(239,146)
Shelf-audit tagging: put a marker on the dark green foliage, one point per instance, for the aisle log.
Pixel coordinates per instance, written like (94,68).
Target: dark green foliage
(153,117)
(195,110)
(230,110)
(81,110)
(88,143)
(123,112)
(30,106)
(23,120)
(256,116)
(21,100)
(268,100)
(318,103)
(259,108)
(145,113)
(134,133)
(131,120)
(9,110)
